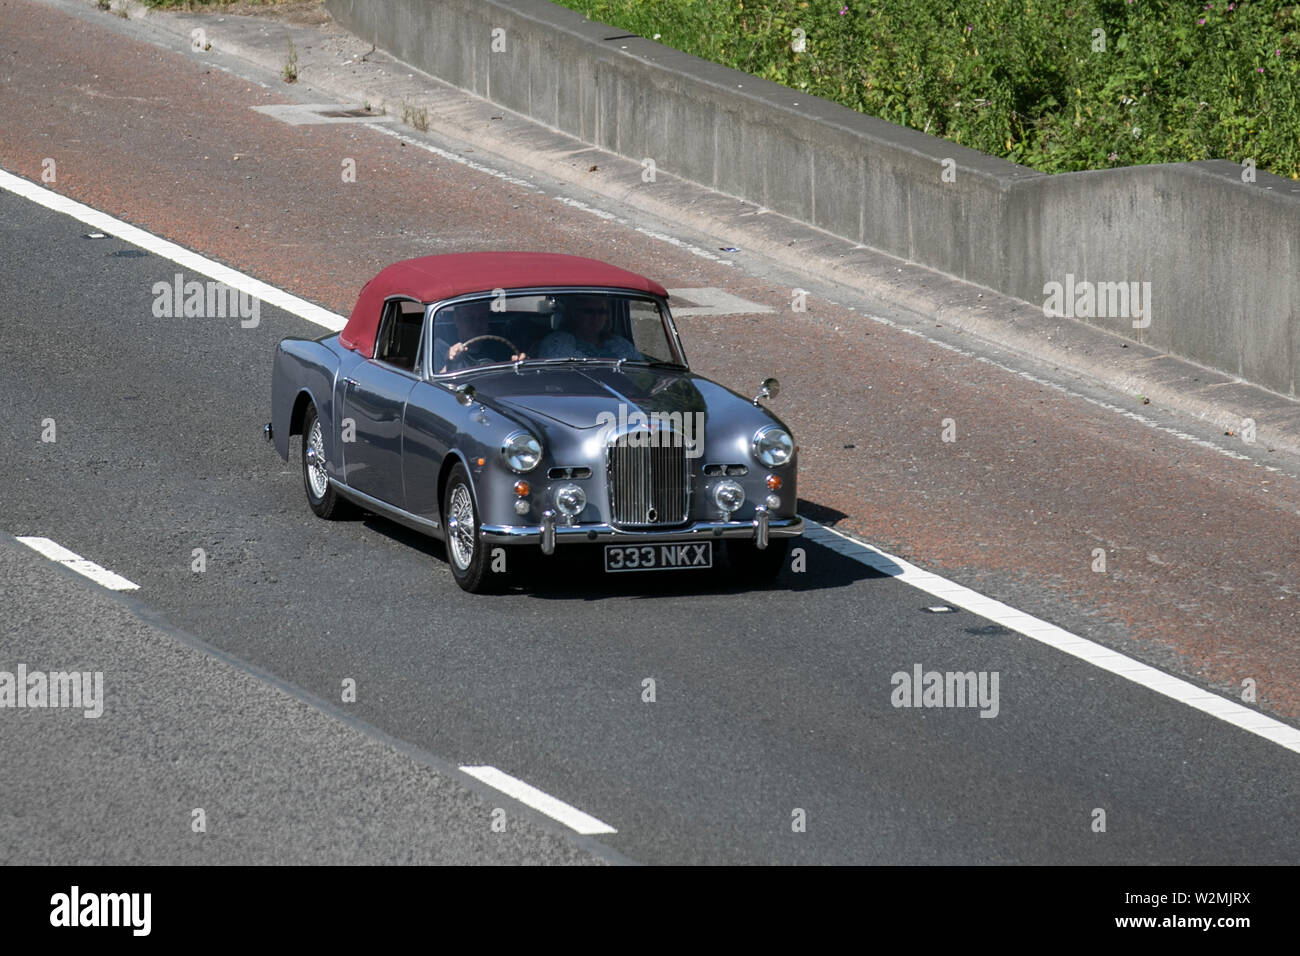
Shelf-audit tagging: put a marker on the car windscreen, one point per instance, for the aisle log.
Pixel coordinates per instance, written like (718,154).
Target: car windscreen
(561,326)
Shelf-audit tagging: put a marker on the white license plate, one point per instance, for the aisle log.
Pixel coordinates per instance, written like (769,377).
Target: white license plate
(658,557)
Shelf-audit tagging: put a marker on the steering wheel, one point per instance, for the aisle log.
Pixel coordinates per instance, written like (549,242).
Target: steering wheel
(514,350)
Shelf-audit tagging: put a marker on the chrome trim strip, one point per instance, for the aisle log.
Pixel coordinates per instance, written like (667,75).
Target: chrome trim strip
(532,534)
(414,522)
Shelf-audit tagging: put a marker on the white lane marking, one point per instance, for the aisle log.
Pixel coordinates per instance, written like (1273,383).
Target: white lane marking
(1174,688)
(590,210)
(679,243)
(1131,415)
(566,200)
(456,158)
(171,251)
(571,817)
(1063,389)
(58,553)
(711,301)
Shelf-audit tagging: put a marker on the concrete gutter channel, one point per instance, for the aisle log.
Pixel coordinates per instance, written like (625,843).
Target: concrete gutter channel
(1263,280)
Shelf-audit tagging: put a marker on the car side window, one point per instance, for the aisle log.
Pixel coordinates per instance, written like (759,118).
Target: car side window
(400,328)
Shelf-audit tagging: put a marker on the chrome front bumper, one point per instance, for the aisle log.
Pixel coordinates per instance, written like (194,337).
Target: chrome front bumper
(550,532)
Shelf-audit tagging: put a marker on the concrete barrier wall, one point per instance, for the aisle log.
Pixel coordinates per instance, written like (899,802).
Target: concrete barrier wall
(1222,257)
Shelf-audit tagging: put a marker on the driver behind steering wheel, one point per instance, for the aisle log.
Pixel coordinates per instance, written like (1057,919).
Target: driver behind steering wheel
(471,348)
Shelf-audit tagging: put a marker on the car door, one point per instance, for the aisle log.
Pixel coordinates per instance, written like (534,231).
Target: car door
(433,418)
(375,393)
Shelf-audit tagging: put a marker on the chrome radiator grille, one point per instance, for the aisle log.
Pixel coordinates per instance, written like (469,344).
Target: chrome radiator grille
(647,486)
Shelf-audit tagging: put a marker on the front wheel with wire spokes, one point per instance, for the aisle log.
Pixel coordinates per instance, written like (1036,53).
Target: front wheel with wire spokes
(321,495)
(467,555)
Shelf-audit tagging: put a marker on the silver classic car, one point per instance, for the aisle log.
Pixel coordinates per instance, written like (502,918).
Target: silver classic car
(512,399)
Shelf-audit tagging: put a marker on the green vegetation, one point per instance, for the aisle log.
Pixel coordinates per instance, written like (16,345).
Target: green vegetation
(1028,80)
(417,116)
(290,71)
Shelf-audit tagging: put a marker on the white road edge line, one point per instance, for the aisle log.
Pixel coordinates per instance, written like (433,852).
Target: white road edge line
(172,252)
(571,817)
(61,555)
(566,200)
(1119,664)
(1105,658)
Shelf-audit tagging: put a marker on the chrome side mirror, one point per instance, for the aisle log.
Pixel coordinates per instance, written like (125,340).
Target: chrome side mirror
(770,388)
(464,393)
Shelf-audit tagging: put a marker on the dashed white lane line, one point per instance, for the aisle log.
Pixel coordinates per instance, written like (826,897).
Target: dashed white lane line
(1119,664)
(571,817)
(58,553)
(171,251)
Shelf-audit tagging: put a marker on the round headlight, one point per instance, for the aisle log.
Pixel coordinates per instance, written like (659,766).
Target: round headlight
(773,446)
(570,500)
(521,451)
(728,495)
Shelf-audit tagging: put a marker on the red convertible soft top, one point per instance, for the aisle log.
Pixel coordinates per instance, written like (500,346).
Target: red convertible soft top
(430,278)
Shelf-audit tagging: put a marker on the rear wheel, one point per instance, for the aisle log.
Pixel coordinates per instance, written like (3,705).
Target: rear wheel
(321,495)
(468,556)
(750,563)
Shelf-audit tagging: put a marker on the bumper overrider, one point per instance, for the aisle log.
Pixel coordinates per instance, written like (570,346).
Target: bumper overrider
(760,530)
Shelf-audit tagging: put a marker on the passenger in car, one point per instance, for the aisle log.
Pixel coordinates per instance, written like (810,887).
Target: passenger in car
(587,333)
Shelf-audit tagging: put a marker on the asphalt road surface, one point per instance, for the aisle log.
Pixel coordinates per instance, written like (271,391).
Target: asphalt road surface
(766,701)
(772,735)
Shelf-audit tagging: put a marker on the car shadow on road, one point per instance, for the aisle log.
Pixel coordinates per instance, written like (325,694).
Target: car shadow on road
(582,576)
(577,571)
